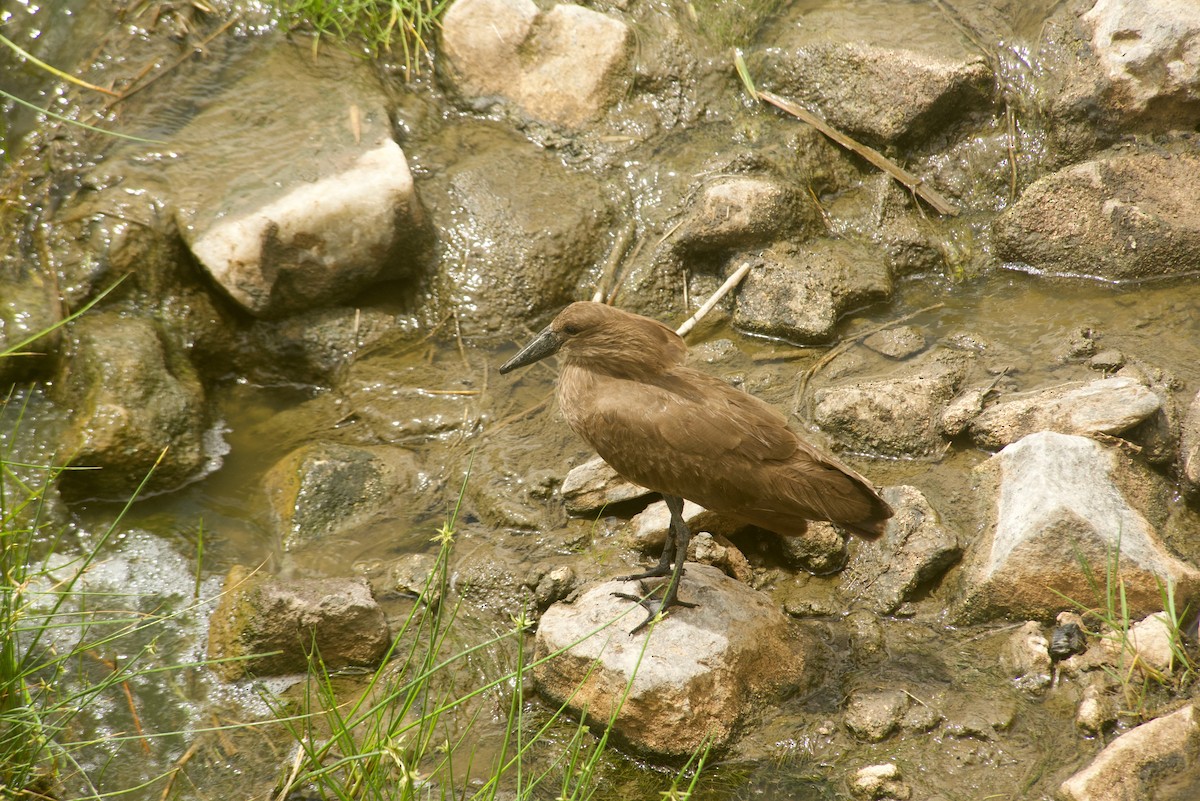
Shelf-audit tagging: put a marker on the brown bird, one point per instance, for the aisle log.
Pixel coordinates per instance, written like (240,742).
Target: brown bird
(685,434)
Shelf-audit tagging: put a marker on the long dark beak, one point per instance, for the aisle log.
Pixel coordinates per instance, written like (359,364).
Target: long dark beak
(544,344)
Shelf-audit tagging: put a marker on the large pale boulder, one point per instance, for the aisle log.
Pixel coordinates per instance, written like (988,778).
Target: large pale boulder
(1053,503)
(702,675)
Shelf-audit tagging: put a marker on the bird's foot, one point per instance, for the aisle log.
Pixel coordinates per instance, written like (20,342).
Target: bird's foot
(654,607)
(658,571)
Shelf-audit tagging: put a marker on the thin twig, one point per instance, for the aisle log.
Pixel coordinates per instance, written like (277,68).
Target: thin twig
(624,238)
(915,185)
(191,52)
(729,284)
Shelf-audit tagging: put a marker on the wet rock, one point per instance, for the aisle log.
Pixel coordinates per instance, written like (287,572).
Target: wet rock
(412,575)
(406,402)
(1134,764)
(27,308)
(1098,708)
(555,585)
(1068,636)
(820,549)
(799,292)
(1049,490)
(260,614)
(1189,443)
(1148,51)
(877,782)
(920,718)
(1119,219)
(512,257)
(1026,657)
(1153,640)
(873,715)
(702,673)
(593,485)
(494,578)
(866,634)
(742,212)
(897,343)
(882,95)
(133,398)
(1108,360)
(964,408)
(1107,406)
(915,550)
(896,416)
(287,229)
(315,347)
(720,553)
(327,490)
(564,65)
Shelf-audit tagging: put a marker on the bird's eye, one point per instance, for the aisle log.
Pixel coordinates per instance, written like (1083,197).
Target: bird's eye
(570,329)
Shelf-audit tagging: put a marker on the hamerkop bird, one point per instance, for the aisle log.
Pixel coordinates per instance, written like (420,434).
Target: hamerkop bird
(685,434)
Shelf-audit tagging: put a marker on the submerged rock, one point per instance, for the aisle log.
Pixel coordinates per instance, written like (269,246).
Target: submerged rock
(1132,766)
(703,673)
(1118,219)
(325,490)
(800,292)
(1107,406)
(1052,500)
(258,615)
(873,715)
(564,65)
(136,408)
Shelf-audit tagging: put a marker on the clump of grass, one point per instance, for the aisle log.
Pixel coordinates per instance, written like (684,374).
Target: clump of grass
(397,27)
(406,732)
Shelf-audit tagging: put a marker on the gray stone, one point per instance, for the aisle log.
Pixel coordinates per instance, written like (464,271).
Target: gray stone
(260,614)
(720,553)
(316,346)
(1106,406)
(564,65)
(593,485)
(1119,219)
(873,715)
(412,574)
(895,416)
(136,406)
(1131,766)
(915,550)
(1051,500)
(798,293)
(1149,50)
(283,229)
(883,95)
(701,675)
(326,490)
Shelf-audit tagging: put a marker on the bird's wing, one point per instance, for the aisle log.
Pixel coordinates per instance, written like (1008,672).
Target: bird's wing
(689,412)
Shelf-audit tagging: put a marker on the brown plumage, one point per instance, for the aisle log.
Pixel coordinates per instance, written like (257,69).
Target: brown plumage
(623,387)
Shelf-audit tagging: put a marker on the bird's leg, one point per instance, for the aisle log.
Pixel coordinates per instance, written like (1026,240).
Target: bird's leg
(678,536)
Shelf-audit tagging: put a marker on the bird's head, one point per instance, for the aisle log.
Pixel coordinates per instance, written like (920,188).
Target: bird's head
(605,339)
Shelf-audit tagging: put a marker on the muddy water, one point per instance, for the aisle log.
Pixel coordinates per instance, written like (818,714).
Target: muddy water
(514,438)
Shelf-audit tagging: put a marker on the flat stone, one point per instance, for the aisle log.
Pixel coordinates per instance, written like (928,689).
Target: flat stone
(1051,500)
(1131,766)
(703,673)
(897,343)
(1106,406)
